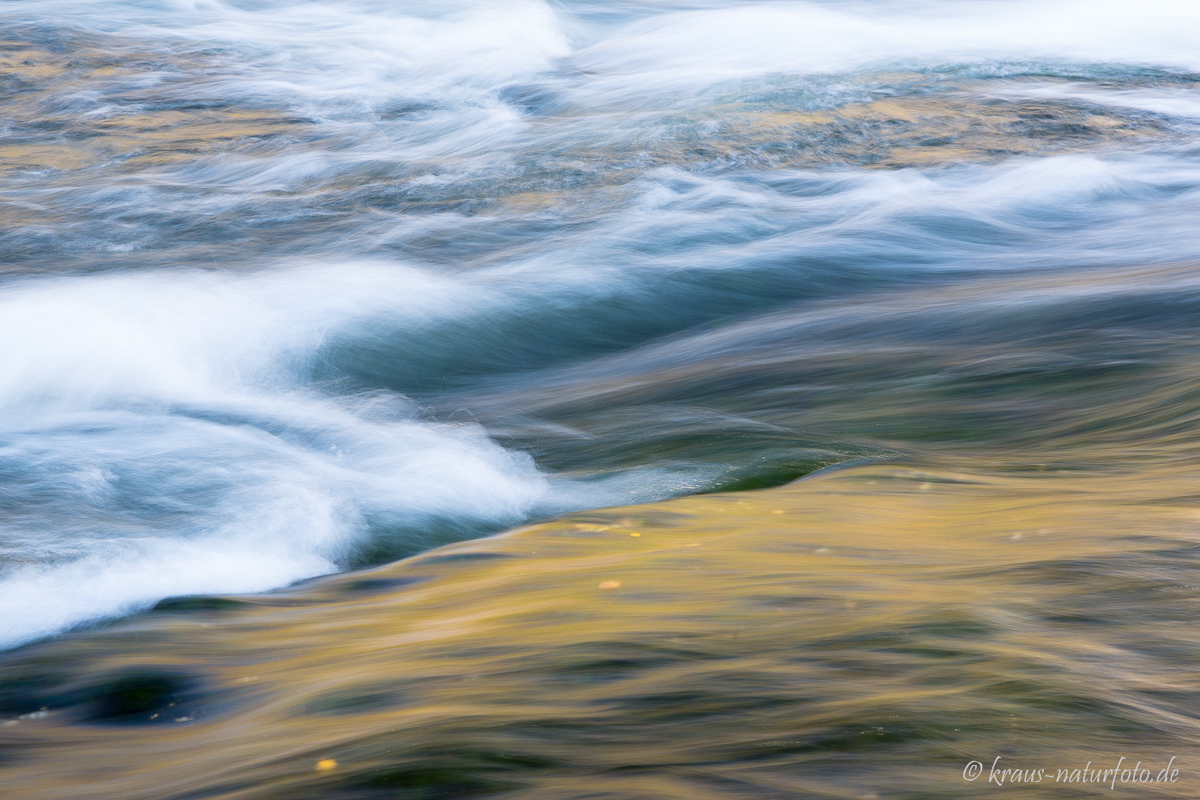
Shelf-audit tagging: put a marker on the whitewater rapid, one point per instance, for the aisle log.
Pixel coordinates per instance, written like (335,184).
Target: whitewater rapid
(228,362)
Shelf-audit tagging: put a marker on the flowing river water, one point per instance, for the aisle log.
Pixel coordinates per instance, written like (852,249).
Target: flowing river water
(602,400)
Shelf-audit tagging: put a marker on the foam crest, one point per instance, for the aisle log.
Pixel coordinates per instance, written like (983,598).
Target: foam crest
(727,43)
(352,51)
(159,439)
(1181,102)
(176,336)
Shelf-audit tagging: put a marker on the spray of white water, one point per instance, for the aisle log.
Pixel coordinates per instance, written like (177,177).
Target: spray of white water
(174,432)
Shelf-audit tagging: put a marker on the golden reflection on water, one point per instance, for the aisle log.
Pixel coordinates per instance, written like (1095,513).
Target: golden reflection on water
(164,110)
(863,633)
(893,132)
(138,129)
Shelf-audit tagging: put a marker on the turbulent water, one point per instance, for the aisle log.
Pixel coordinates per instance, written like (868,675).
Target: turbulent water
(290,289)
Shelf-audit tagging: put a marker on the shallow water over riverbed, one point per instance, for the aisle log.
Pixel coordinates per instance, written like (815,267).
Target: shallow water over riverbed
(864,633)
(328,292)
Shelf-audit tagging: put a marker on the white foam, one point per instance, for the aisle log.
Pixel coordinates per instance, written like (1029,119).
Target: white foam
(353,50)
(729,42)
(459,53)
(161,439)
(147,506)
(161,432)
(194,335)
(1181,101)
